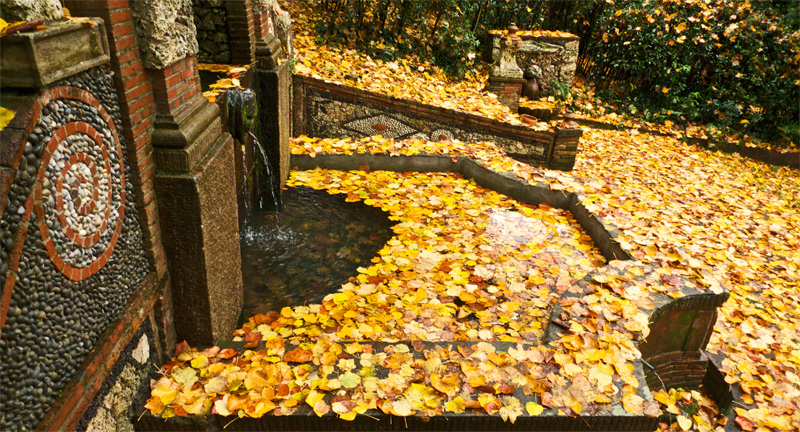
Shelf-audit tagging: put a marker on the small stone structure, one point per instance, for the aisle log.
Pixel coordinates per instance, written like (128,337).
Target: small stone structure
(556,55)
(505,77)
(329,110)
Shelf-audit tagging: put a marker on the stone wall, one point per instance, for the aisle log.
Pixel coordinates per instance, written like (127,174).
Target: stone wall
(328,110)
(165,31)
(73,251)
(556,56)
(211,21)
(126,388)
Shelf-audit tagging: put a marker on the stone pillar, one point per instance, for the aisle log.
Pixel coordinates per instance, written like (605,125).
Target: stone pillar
(241,31)
(272,82)
(505,77)
(194,181)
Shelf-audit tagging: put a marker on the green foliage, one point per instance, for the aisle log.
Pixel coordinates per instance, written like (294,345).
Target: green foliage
(437,31)
(725,62)
(729,62)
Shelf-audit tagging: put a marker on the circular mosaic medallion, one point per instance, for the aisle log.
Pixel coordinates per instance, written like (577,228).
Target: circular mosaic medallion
(80,197)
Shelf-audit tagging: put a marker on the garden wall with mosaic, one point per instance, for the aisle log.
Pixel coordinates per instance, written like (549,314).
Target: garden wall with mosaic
(72,252)
(329,110)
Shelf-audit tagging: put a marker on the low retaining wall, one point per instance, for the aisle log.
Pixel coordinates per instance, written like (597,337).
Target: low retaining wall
(612,418)
(328,110)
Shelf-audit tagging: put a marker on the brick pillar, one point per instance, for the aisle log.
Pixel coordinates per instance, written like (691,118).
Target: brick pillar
(137,105)
(565,149)
(241,31)
(508,90)
(195,184)
(679,332)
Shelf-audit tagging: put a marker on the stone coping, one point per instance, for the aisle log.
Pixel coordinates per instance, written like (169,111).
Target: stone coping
(525,36)
(603,234)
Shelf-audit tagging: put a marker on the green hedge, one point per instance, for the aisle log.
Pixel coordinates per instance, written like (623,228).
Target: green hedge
(726,62)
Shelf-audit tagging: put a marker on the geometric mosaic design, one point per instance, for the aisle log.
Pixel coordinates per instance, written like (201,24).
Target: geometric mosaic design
(380,125)
(80,198)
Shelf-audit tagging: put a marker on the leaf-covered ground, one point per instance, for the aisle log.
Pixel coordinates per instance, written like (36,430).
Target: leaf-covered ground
(718,220)
(722,219)
(465,263)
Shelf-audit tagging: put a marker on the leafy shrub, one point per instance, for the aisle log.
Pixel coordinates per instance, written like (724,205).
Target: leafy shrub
(725,62)
(437,31)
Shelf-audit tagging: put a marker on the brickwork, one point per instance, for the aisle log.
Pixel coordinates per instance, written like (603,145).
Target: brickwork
(508,90)
(678,369)
(241,31)
(175,85)
(263,24)
(565,149)
(137,104)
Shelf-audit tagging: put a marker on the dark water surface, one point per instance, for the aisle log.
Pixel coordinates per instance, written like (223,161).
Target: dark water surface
(308,250)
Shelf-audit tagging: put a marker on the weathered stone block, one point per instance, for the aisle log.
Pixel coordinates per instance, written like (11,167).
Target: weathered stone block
(165,31)
(556,56)
(36,59)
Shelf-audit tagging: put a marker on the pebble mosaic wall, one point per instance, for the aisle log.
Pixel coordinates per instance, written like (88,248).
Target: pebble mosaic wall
(331,116)
(72,253)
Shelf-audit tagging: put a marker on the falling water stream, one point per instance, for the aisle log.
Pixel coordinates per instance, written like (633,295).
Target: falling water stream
(270,177)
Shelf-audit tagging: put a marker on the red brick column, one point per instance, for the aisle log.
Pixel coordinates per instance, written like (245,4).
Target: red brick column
(137,109)
(175,85)
(137,104)
(196,186)
(241,31)
(263,24)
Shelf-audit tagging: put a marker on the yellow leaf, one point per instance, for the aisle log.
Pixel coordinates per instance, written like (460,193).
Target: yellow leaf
(6,115)
(684,422)
(533,408)
(166,394)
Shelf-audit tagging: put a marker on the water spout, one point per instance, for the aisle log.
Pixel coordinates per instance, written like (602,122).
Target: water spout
(272,184)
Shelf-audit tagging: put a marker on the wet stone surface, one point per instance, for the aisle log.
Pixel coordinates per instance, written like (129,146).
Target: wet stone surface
(308,250)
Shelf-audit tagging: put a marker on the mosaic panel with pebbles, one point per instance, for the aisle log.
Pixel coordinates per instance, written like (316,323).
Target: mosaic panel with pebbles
(71,252)
(334,116)
(380,124)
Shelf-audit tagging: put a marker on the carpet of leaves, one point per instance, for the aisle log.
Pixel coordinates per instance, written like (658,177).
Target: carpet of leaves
(719,218)
(466,263)
(403,78)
